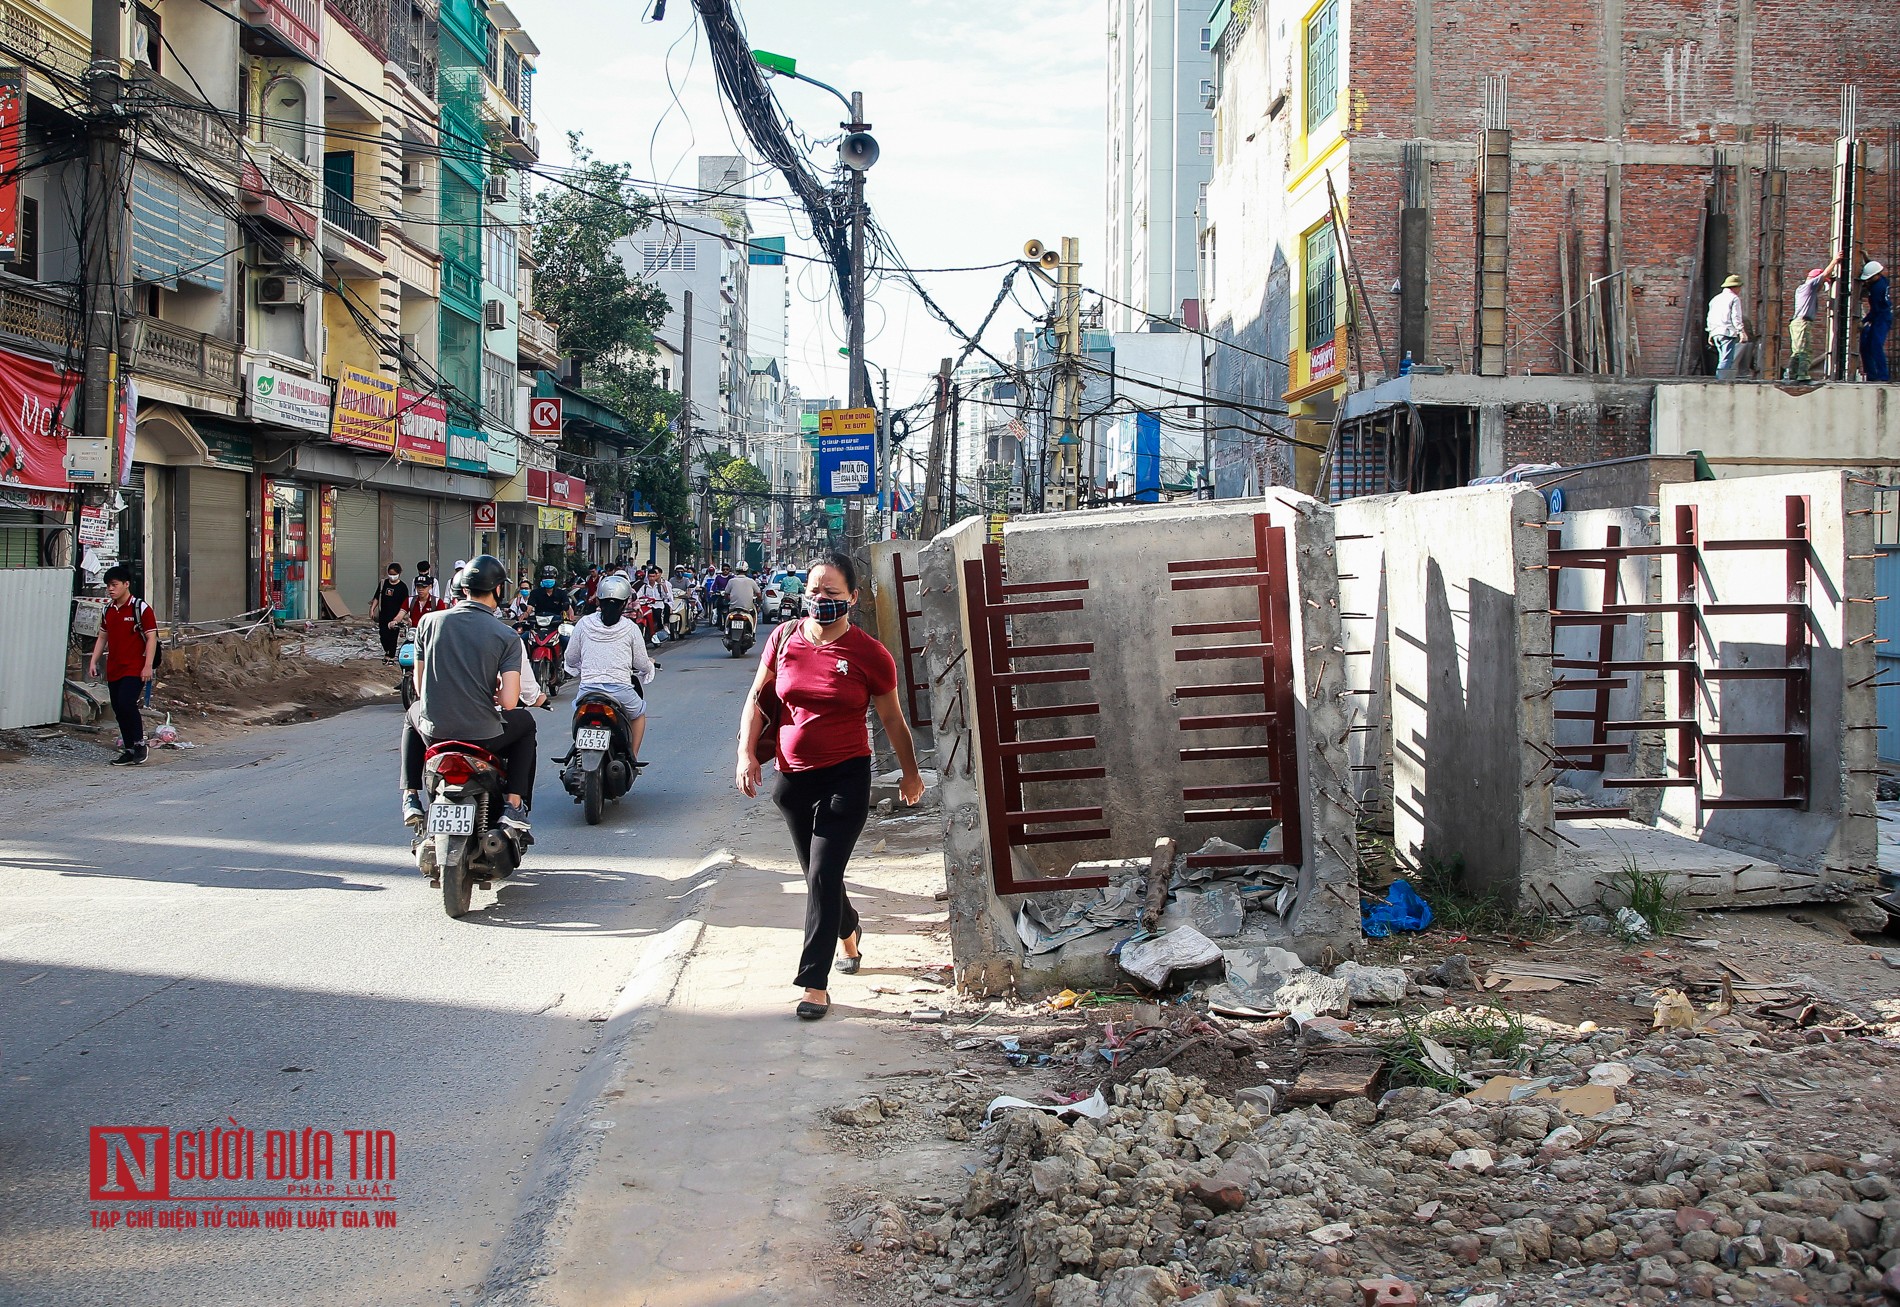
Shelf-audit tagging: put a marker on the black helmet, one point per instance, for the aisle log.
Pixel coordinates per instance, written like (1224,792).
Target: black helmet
(549,570)
(483,575)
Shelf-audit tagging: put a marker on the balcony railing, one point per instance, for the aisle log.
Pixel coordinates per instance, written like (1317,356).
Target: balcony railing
(43,316)
(284,177)
(413,267)
(538,340)
(27,33)
(295,24)
(189,357)
(367,19)
(342,212)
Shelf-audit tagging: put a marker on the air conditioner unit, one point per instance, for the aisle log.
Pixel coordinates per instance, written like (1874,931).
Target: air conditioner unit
(412,344)
(495,315)
(281,292)
(415,178)
(496,192)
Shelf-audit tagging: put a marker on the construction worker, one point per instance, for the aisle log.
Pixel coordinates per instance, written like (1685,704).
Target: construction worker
(1727,330)
(1807,305)
(1876,293)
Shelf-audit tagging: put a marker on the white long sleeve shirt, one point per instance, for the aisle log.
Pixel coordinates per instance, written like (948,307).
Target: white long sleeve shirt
(1725,315)
(600,654)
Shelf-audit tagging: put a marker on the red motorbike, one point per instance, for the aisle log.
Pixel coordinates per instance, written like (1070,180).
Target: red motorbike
(647,618)
(545,639)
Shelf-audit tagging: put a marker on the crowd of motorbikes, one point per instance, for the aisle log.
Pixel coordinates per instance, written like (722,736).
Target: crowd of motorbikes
(463,844)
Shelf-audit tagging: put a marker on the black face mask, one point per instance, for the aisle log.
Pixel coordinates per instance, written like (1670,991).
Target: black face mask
(610,611)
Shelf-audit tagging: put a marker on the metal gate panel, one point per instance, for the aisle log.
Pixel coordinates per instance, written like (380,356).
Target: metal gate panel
(1272,651)
(35,614)
(359,560)
(412,533)
(908,665)
(216,557)
(989,603)
(456,532)
(1693,761)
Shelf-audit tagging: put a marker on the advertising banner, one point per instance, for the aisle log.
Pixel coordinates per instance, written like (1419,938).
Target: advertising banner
(287,400)
(557,489)
(422,428)
(847,464)
(468,449)
(554,519)
(32,443)
(365,411)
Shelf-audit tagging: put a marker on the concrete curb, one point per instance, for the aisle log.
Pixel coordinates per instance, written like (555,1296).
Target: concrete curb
(570,1148)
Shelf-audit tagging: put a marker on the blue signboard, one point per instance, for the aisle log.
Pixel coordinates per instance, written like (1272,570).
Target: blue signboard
(847,464)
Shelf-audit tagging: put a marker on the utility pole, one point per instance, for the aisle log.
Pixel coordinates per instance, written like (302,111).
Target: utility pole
(860,385)
(933,464)
(106,246)
(1063,479)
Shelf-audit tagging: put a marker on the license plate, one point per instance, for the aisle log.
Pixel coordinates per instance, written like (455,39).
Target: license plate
(590,739)
(451,819)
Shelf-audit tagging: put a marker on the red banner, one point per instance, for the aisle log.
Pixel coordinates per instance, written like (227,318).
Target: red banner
(12,109)
(422,428)
(556,489)
(32,444)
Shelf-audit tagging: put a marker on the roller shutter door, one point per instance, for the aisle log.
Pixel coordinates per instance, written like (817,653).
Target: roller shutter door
(457,530)
(409,531)
(359,564)
(219,554)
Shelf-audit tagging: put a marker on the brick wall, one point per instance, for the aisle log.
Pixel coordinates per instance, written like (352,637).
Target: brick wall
(1574,433)
(1685,94)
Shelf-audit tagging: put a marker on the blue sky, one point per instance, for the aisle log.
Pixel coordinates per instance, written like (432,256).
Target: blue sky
(990,117)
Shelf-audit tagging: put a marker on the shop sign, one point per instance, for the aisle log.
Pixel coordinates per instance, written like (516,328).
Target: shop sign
(422,428)
(487,517)
(468,449)
(544,417)
(556,488)
(326,539)
(554,519)
(228,450)
(34,501)
(624,530)
(365,411)
(32,443)
(287,399)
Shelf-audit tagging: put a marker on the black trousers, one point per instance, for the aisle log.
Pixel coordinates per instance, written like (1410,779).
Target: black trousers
(388,631)
(126,692)
(825,809)
(514,746)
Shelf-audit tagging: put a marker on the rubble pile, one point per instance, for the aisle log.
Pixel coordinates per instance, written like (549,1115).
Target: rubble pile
(1179,1194)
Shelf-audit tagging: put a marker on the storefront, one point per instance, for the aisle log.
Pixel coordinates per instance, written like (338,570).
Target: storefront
(289,509)
(558,499)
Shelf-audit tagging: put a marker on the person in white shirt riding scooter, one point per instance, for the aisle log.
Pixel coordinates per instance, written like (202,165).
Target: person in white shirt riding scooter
(607,653)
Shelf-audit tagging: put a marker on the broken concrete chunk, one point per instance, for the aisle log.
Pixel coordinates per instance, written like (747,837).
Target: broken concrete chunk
(1264,1097)
(1140,1286)
(1179,954)
(1312,992)
(1453,973)
(866,1111)
(1337,1232)
(1371,984)
(1471,1159)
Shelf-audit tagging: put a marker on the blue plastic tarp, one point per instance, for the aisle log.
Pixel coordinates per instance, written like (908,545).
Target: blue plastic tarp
(1400,909)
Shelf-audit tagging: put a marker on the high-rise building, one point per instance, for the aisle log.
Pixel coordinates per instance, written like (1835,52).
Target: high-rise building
(1160,154)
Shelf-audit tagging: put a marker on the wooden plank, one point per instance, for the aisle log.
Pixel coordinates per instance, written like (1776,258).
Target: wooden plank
(1335,1080)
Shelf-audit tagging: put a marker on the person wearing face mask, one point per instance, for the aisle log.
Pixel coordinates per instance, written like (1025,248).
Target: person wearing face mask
(550,598)
(826,672)
(606,652)
(522,604)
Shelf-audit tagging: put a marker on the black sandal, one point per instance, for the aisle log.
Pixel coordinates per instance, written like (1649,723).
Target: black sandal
(849,966)
(808,1011)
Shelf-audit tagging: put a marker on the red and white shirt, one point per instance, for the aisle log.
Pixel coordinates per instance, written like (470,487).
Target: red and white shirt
(826,690)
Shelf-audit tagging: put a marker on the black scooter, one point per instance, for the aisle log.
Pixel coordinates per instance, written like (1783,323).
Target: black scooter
(601,765)
(741,631)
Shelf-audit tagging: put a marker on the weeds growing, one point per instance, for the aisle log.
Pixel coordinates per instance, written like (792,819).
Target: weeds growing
(1646,893)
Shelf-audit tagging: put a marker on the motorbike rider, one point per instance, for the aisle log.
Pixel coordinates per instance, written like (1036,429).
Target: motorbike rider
(522,604)
(608,654)
(468,688)
(742,592)
(550,599)
(655,590)
(717,579)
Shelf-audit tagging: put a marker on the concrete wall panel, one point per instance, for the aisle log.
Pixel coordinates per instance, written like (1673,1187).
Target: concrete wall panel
(1467,595)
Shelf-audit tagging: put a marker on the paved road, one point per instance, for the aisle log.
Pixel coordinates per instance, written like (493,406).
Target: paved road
(235,934)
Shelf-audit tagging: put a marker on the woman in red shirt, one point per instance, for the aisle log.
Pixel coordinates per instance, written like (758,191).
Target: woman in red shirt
(826,672)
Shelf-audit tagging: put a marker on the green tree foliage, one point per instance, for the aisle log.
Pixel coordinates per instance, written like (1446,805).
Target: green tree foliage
(607,320)
(735,484)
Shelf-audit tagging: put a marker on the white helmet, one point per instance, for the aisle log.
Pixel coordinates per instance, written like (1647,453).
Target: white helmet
(1871,271)
(611,588)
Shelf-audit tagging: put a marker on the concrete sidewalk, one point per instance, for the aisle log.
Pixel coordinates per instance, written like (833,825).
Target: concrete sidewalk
(716,1170)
